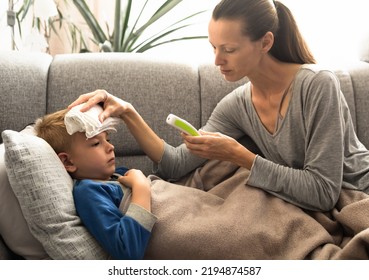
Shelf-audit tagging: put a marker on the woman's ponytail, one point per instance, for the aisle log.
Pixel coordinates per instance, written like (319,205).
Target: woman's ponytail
(289,45)
(262,16)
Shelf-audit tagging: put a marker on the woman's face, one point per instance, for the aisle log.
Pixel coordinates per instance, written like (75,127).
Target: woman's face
(235,54)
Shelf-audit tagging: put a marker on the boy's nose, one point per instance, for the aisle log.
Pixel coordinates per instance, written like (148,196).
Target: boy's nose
(110,147)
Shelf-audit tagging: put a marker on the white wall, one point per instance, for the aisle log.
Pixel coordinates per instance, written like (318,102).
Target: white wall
(334,29)
(5,31)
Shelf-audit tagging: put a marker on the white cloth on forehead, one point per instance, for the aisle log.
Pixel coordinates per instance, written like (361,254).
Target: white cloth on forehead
(88,122)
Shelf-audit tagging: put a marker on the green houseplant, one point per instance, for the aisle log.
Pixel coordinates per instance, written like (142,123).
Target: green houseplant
(125,37)
(129,34)
(44,24)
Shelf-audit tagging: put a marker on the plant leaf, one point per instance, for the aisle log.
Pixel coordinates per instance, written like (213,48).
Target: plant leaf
(127,39)
(165,8)
(158,36)
(91,21)
(125,26)
(149,46)
(121,19)
(24,9)
(164,32)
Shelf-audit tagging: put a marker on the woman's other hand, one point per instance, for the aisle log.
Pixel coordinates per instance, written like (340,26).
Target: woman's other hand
(218,146)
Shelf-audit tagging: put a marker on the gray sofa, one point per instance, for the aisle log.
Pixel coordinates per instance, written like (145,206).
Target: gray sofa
(33,84)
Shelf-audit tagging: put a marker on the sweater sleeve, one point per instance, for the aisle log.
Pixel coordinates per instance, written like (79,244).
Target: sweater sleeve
(122,236)
(176,162)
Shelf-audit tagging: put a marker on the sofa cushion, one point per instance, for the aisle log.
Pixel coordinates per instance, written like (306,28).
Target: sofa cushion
(364,50)
(213,88)
(359,73)
(44,191)
(348,91)
(23,80)
(4,251)
(13,227)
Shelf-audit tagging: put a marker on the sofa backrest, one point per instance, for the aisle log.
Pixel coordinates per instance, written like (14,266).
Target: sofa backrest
(23,88)
(359,76)
(33,84)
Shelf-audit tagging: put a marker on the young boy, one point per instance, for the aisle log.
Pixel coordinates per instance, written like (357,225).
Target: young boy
(117,216)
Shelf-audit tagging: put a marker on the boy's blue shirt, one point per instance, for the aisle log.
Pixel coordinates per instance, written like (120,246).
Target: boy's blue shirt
(121,170)
(97,203)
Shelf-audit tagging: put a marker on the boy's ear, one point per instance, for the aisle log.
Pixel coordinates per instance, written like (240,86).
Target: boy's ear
(68,164)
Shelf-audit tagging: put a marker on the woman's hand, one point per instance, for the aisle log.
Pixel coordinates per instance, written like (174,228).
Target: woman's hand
(113,106)
(220,147)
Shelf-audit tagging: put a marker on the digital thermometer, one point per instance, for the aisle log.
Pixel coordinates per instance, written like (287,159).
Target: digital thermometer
(182,125)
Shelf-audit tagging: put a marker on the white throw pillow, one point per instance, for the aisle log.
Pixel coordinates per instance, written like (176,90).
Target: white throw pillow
(44,191)
(13,227)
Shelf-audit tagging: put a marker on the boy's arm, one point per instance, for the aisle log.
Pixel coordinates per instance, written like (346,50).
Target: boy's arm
(122,236)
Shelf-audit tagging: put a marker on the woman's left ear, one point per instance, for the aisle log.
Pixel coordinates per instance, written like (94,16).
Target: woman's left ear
(267,41)
(68,164)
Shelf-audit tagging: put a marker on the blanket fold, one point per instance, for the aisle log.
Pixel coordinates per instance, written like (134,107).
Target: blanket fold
(213,214)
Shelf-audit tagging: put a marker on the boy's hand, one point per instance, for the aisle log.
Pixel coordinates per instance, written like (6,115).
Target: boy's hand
(140,186)
(134,178)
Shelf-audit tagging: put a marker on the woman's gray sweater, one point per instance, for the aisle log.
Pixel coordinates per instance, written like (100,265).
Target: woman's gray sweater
(311,156)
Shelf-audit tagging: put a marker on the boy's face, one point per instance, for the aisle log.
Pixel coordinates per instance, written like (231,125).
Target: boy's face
(92,158)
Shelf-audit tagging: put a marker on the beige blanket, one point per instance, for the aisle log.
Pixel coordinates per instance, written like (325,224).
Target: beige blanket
(217,216)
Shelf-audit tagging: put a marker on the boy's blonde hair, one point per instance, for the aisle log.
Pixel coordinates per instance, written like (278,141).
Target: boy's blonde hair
(52,129)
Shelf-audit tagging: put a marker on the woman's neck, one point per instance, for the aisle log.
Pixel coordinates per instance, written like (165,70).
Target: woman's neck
(273,76)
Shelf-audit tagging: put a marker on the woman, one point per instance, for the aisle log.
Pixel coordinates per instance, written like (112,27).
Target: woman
(293,110)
